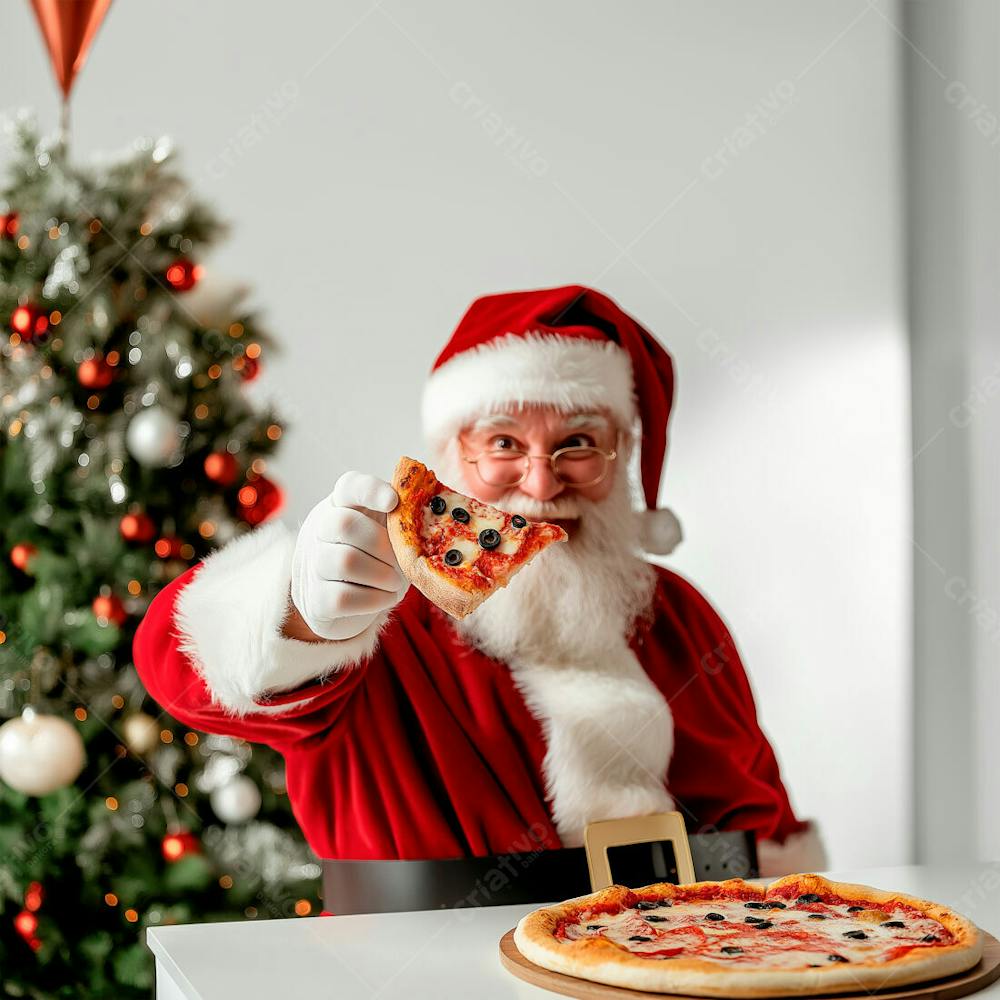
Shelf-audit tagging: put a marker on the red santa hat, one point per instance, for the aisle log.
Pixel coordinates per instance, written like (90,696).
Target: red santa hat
(569,347)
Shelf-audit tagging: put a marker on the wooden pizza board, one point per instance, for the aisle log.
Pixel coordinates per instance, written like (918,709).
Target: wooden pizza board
(977,978)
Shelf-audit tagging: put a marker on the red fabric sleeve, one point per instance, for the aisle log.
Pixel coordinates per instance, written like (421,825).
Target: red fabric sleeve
(171,679)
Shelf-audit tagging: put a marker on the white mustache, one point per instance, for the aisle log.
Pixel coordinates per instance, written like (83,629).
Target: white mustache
(560,508)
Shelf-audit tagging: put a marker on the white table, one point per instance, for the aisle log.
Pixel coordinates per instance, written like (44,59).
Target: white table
(438,953)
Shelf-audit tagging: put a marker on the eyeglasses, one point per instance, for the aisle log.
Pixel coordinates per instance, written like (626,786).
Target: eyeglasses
(577,467)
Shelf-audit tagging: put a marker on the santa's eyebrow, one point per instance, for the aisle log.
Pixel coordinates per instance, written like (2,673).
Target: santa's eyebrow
(577,420)
(493,420)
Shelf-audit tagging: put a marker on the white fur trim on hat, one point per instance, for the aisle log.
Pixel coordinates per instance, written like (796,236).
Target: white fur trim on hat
(537,368)
(228,621)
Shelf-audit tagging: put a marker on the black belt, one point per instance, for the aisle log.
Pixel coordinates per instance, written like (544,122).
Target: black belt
(533,877)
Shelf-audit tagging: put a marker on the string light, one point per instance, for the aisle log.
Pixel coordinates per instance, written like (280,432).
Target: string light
(131,916)
(166,736)
(112,803)
(81,714)
(235,330)
(253,350)
(303,908)
(134,588)
(55,318)
(181,790)
(226,882)
(25,923)
(3,637)
(215,371)
(206,529)
(95,226)
(191,739)
(274,432)
(118,701)
(111,899)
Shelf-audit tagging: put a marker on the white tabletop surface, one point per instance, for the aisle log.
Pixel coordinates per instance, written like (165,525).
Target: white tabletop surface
(439,953)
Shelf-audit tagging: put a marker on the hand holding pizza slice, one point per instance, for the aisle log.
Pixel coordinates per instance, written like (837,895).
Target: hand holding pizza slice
(455,550)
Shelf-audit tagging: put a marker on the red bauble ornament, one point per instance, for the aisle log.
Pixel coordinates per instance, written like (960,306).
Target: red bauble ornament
(21,555)
(221,468)
(95,373)
(9,225)
(259,500)
(178,844)
(183,274)
(33,896)
(30,322)
(109,607)
(169,547)
(250,369)
(137,527)
(26,923)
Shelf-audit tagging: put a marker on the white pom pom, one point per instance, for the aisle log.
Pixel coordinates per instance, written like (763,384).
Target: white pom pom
(659,531)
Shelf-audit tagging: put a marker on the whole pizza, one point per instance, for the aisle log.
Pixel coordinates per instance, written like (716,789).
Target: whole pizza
(800,935)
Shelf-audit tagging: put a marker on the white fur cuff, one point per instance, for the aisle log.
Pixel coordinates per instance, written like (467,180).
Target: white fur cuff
(228,620)
(801,852)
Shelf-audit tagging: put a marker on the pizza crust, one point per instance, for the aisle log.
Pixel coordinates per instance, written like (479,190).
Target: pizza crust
(604,961)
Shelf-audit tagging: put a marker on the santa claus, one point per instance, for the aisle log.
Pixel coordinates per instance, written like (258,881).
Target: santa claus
(595,686)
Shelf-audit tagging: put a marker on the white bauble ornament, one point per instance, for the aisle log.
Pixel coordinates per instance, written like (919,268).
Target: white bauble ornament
(152,437)
(40,753)
(141,732)
(237,801)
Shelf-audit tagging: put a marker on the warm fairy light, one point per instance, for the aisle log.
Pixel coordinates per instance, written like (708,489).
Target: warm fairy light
(111,802)
(54,233)
(111,899)
(93,402)
(200,411)
(95,226)
(166,736)
(187,551)
(162,547)
(45,371)
(120,750)
(15,427)
(173,847)
(303,908)
(145,229)
(33,896)
(226,882)
(191,739)
(112,358)
(274,432)
(26,923)
(181,790)
(81,714)
(235,330)
(215,371)
(23,243)
(118,701)
(131,916)
(253,350)
(251,912)
(259,465)
(247,496)
(15,339)
(206,529)
(134,588)
(55,317)
(3,637)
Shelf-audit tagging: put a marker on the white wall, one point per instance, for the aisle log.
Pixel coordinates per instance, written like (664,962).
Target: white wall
(728,171)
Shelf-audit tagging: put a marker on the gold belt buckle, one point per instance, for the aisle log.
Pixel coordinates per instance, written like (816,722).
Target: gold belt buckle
(599,836)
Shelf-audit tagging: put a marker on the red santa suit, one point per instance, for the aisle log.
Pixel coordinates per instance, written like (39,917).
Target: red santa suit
(407,742)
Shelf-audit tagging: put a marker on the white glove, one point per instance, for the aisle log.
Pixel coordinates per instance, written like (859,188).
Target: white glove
(344,572)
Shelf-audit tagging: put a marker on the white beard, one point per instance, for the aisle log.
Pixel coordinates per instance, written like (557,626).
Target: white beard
(563,625)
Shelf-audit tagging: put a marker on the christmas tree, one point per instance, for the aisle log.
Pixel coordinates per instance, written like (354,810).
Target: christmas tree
(129,449)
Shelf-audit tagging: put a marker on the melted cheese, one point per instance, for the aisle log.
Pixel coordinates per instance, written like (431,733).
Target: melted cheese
(793,940)
(480,519)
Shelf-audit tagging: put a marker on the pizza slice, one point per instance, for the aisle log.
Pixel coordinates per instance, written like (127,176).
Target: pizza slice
(456,550)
